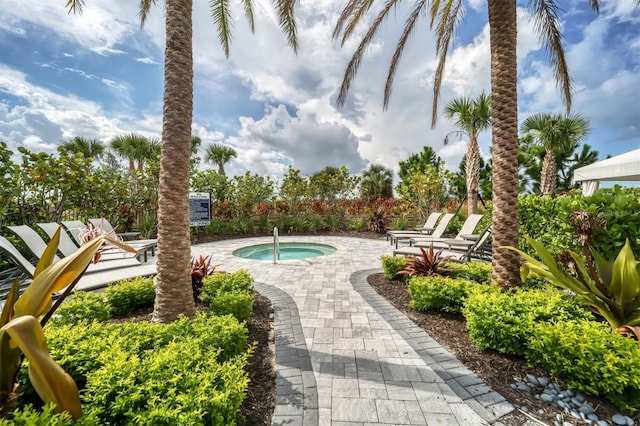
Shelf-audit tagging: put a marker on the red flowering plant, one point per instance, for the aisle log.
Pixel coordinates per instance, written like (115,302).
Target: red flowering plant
(200,268)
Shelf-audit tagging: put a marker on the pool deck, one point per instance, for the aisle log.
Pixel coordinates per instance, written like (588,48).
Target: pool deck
(344,355)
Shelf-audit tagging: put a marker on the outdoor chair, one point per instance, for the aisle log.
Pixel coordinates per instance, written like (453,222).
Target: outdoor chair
(88,281)
(427,228)
(437,232)
(465,236)
(456,252)
(37,246)
(74,227)
(102,223)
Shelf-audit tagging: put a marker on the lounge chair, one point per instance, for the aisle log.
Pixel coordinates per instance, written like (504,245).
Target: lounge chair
(465,234)
(426,229)
(456,251)
(437,232)
(88,281)
(37,246)
(104,224)
(74,227)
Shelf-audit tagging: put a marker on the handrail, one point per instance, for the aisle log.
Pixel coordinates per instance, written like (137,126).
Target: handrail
(276,245)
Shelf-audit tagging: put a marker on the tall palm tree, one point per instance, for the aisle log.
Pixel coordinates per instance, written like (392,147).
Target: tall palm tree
(220,155)
(377,182)
(445,16)
(135,148)
(472,116)
(173,283)
(90,148)
(558,134)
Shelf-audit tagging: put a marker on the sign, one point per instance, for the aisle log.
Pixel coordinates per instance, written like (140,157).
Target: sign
(199,208)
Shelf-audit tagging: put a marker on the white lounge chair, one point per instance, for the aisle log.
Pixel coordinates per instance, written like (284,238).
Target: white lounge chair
(437,232)
(456,252)
(427,228)
(464,235)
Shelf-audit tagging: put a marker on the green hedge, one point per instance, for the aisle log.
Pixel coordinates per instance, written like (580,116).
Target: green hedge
(505,321)
(590,358)
(47,416)
(149,373)
(437,293)
(391,265)
(128,295)
(230,294)
(472,271)
(82,306)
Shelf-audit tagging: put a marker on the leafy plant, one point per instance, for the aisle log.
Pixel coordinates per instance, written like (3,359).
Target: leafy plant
(505,321)
(82,306)
(590,358)
(22,335)
(431,263)
(200,267)
(612,290)
(437,293)
(398,223)
(391,265)
(126,296)
(356,224)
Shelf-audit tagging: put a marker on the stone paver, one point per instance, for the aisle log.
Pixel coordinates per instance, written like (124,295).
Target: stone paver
(344,355)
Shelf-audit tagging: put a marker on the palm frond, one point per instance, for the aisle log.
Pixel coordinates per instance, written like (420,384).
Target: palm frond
(547,25)
(595,4)
(356,16)
(248,11)
(287,21)
(356,59)
(448,17)
(145,6)
(408,29)
(221,14)
(75,6)
(344,15)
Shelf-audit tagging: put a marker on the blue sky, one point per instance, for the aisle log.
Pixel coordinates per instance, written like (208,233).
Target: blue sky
(99,75)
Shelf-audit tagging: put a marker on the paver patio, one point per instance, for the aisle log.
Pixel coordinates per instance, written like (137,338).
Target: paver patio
(344,355)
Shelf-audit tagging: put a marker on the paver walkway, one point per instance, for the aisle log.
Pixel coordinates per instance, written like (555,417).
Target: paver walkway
(345,356)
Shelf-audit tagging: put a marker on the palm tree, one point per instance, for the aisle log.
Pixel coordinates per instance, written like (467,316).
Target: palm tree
(472,117)
(220,155)
(377,182)
(558,134)
(173,283)
(445,15)
(135,148)
(90,148)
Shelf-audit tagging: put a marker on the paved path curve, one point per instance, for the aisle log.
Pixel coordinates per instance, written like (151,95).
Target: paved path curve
(345,356)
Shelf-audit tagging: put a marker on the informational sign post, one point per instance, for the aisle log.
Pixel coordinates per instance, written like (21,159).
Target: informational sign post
(199,208)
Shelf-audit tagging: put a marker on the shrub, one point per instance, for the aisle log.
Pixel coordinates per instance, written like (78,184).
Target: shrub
(392,265)
(229,294)
(356,224)
(590,358)
(128,295)
(236,303)
(398,223)
(82,306)
(472,271)
(444,294)
(504,321)
(48,416)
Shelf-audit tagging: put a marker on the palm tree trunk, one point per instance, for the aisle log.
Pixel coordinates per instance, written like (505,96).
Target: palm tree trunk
(504,116)
(173,283)
(221,169)
(548,174)
(473,175)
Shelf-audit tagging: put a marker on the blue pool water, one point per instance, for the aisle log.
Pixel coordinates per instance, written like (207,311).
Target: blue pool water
(288,251)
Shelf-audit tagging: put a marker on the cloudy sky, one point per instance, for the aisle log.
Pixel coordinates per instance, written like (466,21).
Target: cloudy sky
(99,75)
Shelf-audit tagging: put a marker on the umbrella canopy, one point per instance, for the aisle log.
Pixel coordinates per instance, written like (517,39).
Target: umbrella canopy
(623,167)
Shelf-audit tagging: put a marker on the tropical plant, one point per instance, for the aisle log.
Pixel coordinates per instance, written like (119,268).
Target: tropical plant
(24,316)
(220,155)
(503,22)
(612,290)
(90,148)
(426,189)
(431,263)
(376,182)
(174,244)
(136,149)
(558,134)
(472,115)
(200,267)
(417,163)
